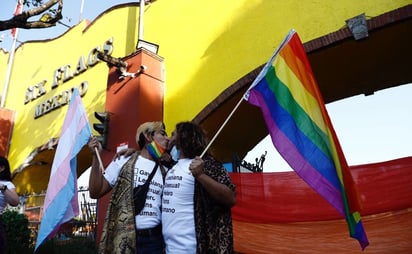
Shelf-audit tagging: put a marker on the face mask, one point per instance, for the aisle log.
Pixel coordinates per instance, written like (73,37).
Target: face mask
(175,153)
(155,150)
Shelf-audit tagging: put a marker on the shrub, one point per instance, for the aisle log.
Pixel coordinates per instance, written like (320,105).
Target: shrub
(17,230)
(76,245)
(18,239)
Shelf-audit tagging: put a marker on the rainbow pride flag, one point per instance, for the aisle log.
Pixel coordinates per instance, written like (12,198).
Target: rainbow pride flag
(301,130)
(155,150)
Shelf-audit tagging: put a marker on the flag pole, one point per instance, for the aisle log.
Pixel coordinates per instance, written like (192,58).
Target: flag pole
(245,95)
(141,24)
(221,127)
(99,158)
(81,11)
(14,32)
(9,69)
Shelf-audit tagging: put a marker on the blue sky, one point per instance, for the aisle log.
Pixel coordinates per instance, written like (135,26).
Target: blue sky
(370,129)
(71,17)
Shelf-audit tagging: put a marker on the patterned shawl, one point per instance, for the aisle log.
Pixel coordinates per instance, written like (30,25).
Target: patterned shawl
(214,232)
(119,234)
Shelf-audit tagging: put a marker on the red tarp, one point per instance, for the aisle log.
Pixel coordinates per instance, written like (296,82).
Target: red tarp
(278,212)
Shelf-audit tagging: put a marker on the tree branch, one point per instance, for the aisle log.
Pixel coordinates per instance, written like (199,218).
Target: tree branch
(48,20)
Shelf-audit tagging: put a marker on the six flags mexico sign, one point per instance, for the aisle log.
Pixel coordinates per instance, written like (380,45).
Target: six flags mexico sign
(62,75)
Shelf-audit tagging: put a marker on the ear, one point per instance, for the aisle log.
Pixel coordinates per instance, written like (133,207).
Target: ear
(148,137)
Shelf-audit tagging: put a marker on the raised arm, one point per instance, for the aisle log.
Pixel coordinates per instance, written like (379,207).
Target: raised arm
(98,186)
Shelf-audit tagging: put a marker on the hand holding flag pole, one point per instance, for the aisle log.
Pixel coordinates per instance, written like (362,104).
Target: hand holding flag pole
(96,150)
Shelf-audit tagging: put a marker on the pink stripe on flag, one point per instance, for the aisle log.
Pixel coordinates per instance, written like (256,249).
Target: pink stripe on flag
(61,202)
(66,140)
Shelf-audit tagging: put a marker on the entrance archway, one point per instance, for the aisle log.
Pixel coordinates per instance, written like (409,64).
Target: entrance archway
(343,67)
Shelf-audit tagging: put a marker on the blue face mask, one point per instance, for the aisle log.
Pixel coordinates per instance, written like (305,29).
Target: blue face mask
(175,153)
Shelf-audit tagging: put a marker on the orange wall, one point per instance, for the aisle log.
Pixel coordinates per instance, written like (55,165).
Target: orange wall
(6,129)
(128,112)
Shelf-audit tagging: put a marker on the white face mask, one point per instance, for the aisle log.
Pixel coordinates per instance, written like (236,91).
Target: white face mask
(175,153)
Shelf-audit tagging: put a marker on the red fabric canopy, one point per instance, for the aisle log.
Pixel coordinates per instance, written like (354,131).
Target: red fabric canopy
(278,207)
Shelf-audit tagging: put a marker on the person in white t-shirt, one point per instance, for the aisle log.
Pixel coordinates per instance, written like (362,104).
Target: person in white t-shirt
(197,198)
(123,175)
(8,196)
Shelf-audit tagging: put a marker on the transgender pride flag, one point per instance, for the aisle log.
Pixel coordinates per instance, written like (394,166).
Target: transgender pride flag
(295,114)
(61,203)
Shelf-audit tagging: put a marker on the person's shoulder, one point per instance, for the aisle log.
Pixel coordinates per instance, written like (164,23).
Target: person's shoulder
(210,159)
(9,184)
(144,161)
(212,162)
(122,159)
(118,162)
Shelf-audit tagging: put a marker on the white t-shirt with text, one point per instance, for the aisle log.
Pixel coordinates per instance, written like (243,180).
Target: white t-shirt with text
(150,216)
(178,210)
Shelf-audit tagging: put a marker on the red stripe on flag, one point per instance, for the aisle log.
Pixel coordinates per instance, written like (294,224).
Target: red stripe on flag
(17,11)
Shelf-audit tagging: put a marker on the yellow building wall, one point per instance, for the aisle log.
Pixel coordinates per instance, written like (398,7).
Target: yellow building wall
(207,46)
(38,61)
(4,56)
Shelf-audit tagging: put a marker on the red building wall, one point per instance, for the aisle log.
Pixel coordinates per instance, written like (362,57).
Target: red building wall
(130,102)
(6,129)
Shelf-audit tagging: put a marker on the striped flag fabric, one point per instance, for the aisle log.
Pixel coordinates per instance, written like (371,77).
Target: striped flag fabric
(300,128)
(155,150)
(17,11)
(61,202)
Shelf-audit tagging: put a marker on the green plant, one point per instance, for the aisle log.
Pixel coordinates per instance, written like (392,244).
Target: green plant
(17,230)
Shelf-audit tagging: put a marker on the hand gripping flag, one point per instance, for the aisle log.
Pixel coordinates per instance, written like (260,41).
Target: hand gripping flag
(61,203)
(301,130)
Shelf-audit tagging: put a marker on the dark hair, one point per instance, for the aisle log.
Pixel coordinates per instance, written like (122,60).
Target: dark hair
(191,139)
(5,174)
(141,141)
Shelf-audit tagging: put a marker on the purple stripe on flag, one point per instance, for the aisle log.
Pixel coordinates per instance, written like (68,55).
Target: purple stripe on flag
(290,153)
(315,155)
(61,178)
